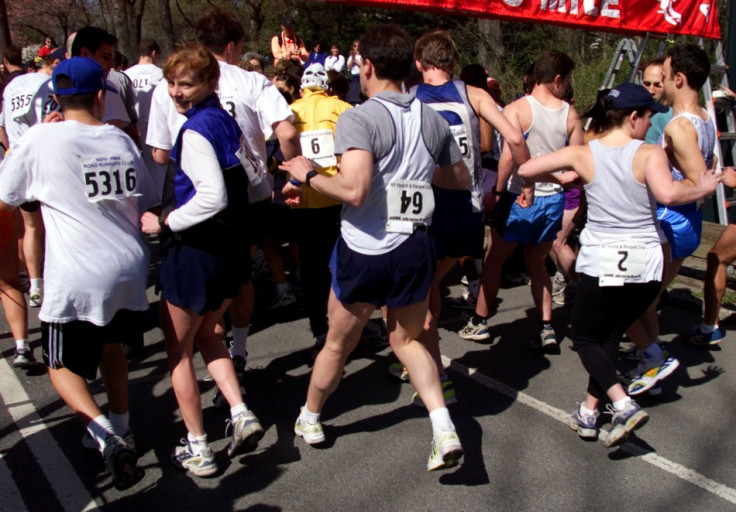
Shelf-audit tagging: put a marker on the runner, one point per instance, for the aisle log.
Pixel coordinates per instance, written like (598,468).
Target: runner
(390,148)
(91,200)
(620,262)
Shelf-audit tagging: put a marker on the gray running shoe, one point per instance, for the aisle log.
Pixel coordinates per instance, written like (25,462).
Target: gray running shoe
(474,332)
(121,462)
(247,432)
(625,422)
(585,425)
(200,464)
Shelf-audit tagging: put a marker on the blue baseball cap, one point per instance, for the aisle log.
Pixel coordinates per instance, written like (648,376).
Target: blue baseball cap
(86,75)
(630,95)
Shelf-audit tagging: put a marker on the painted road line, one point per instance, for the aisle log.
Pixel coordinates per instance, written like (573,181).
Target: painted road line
(678,470)
(69,489)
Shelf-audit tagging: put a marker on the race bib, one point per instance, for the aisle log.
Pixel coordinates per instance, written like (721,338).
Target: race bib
(109,177)
(319,146)
(228,103)
(623,262)
(458,131)
(410,203)
(141,82)
(20,103)
(253,169)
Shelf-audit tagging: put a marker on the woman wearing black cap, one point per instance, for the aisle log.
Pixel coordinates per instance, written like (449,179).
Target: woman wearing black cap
(620,261)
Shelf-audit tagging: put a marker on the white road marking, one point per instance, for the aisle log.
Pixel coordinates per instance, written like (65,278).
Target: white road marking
(69,489)
(680,471)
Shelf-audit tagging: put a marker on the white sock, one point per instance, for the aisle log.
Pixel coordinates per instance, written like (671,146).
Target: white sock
(120,423)
(282,288)
(22,344)
(311,417)
(238,410)
(36,283)
(99,428)
(584,411)
(707,329)
(440,418)
(653,352)
(620,405)
(240,336)
(196,443)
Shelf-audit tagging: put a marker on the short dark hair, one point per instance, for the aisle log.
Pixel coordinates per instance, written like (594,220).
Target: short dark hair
(551,64)
(390,50)
(13,55)
(73,101)
(436,49)
(657,60)
(91,38)
(691,61)
(217,28)
(147,46)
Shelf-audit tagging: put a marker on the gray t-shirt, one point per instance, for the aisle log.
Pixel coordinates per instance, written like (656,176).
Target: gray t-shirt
(124,86)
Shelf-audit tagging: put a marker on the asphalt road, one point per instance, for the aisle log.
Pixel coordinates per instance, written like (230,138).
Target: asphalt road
(512,418)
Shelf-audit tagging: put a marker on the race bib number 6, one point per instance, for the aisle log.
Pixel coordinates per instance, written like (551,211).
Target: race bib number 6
(109,177)
(623,262)
(319,146)
(409,203)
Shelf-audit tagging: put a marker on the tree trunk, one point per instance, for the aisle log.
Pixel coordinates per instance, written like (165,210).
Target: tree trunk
(4,27)
(167,25)
(491,51)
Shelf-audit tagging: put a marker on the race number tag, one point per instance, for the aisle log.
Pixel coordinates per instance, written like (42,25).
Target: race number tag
(458,131)
(250,163)
(319,146)
(410,203)
(141,82)
(109,177)
(20,103)
(623,262)
(228,103)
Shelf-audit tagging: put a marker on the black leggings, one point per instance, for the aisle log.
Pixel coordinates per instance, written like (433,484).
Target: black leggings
(600,317)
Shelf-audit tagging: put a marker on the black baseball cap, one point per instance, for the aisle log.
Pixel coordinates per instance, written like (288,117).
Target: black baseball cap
(630,95)
(288,21)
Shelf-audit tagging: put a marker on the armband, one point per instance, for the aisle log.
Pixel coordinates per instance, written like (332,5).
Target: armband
(296,183)
(496,192)
(311,174)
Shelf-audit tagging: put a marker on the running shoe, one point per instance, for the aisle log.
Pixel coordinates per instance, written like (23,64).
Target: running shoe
(559,285)
(446,451)
(474,332)
(545,340)
(91,443)
(448,392)
(466,301)
(313,433)
(374,334)
(399,371)
(282,300)
(585,425)
(200,464)
(239,364)
(701,339)
(24,358)
(648,379)
(247,432)
(121,460)
(35,297)
(624,422)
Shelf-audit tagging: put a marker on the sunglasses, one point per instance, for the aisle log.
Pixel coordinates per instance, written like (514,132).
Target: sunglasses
(652,84)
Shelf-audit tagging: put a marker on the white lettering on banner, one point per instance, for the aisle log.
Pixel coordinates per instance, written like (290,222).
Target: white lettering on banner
(109,177)
(623,262)
(513,3)
(608,8)
(409,203)
(319,146)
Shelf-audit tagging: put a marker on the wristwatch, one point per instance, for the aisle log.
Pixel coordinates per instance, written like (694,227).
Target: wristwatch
(311,174)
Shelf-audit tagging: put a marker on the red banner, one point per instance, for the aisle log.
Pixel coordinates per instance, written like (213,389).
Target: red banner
(686,17)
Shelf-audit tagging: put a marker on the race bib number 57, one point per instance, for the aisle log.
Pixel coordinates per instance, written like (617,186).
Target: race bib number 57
(109,177)
(409,203)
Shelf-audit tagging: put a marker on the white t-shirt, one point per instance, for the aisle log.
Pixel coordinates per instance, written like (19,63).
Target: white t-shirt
(335,63)
(145,77)
(256,105)
(26,101)
(93,187)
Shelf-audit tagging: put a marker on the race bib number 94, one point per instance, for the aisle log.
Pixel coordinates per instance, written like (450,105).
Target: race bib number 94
(623,262)
(109,177)
(409,203)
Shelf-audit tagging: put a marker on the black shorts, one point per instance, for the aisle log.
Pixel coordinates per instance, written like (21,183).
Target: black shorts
(456,230)
(77,345)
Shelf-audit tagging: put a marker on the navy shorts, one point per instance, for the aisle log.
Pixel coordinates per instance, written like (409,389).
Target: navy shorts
(682,229)
(77,345)
(536,224)
(195,279)
(396,279)
(456,230)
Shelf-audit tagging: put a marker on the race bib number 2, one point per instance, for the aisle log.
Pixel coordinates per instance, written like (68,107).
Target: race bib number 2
(109,177)
(410,203)
(620,263)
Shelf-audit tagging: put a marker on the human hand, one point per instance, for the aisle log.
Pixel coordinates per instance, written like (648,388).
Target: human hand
(149,224)
(526,198)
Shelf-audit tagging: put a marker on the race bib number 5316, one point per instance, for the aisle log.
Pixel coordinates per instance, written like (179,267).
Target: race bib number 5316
(109,177)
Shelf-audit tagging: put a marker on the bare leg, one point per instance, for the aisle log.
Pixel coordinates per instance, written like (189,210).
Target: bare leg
(14,302)
(562,254)
(72,388)
(490,280)
(33,242)
(714,288)
(535,256)
(114,372)
(430,335)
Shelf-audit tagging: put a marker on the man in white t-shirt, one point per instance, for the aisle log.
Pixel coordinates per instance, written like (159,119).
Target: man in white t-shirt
(260,111)
(93,186)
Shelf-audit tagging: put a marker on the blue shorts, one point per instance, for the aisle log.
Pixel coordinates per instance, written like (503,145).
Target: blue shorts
(537,224)
(456,230)
(682,228)
(397,278)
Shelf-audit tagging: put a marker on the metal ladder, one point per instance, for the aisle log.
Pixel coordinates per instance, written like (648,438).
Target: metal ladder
(713,100)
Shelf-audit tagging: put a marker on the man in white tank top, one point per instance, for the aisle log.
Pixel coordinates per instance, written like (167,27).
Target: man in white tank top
(530,215)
